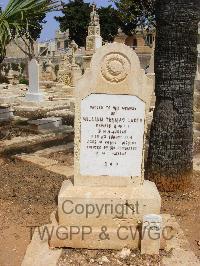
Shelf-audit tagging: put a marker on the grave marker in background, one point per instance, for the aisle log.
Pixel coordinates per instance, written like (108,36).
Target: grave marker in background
(34,94)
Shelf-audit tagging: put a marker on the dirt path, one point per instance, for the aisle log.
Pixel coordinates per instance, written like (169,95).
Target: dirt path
(185,206)
(28,196)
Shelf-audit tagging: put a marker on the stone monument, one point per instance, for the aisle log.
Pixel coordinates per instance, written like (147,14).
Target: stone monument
(75,69)
(94,39)
(49,73)
(105,205)
(34,94)
(64,76)
(120,37)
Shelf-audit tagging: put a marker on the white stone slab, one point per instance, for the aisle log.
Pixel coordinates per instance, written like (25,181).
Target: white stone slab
(34,93)
(151,234)
(47,123)
(34,76)
(112,133)
(38,252)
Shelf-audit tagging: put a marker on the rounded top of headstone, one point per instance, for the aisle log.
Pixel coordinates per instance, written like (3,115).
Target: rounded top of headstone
(115,69)
(115,62)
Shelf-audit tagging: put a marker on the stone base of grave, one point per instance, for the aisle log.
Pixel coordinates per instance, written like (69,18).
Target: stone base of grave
(6,114)
(49,123)
(7,99)
(34,97)
(79,224)
(38,252)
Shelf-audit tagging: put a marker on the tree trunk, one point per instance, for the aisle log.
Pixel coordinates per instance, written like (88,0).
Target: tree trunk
(170,154)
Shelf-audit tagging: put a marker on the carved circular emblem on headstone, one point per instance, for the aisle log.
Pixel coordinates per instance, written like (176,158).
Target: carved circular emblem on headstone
(115,67)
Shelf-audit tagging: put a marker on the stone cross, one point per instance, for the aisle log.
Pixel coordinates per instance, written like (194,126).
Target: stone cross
(34,94)
(94,6)
(94,39)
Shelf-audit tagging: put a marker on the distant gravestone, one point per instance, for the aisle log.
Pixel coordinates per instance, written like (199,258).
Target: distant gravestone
(112,101)
(152,61)
(34,94)
(48,123)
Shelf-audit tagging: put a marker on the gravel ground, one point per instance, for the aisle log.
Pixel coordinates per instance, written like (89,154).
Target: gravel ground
(28,195)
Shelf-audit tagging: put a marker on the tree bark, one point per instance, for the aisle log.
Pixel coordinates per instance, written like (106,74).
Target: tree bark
(170,154)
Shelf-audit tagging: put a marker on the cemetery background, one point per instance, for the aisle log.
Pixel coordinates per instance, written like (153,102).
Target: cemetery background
(38,173)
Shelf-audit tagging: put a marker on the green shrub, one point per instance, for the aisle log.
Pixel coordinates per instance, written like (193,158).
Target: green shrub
(23,81)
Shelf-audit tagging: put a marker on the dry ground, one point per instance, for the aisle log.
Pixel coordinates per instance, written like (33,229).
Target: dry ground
(28,196)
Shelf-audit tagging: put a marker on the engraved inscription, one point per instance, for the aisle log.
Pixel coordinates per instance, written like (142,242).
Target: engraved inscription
(112,130)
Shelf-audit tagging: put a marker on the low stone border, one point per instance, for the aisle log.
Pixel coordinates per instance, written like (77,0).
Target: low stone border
(39,254)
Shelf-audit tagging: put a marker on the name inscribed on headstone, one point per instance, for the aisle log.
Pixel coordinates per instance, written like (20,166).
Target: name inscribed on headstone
(112,132)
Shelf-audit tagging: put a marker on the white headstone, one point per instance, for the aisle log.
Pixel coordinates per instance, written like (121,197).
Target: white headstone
(34,94)
(112,101)
(111,106)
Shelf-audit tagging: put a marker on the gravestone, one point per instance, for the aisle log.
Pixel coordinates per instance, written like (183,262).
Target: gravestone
(49,73)
(104,206)
(151,234)
(34,94)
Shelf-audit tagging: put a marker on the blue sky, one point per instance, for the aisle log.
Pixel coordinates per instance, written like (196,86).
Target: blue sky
(51,25)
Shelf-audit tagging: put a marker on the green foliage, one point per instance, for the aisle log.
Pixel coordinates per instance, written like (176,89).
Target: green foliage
(136,12)
(22,17)
(127,14)
(110,22)
(76,18)
(23,80)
